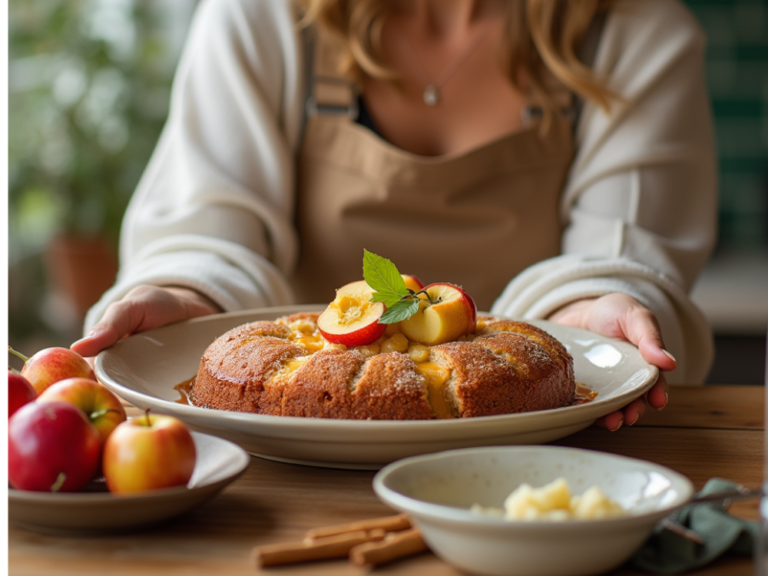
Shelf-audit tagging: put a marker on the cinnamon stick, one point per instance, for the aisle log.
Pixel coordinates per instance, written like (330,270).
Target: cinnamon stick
(393,547)
(387,523)
(337,546)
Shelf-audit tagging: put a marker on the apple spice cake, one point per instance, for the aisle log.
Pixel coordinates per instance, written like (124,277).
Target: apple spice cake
(286,368)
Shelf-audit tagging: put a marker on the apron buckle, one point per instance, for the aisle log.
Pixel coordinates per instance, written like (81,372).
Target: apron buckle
(333,96)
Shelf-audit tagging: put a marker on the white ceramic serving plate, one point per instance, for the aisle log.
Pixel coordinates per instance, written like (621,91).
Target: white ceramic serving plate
(218,463)
(437,491)
(144,369)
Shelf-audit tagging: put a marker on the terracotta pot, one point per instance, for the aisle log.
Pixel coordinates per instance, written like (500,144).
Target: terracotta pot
(80,269)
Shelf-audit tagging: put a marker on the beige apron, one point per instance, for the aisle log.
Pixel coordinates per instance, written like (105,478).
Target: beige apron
(475,219)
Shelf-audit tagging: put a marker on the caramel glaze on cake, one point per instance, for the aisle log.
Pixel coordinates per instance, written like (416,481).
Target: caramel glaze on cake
(285,368)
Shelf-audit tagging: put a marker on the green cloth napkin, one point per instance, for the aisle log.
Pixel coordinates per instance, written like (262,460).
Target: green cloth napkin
(668,553)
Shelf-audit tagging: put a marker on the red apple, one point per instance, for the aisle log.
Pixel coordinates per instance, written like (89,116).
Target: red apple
(352,319)
(147,453)
(102,408)
(20,392)
(472,309)
(445,313)
(51,448)
(53,364)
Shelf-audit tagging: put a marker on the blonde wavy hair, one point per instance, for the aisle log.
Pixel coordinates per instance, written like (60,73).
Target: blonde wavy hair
(543,39)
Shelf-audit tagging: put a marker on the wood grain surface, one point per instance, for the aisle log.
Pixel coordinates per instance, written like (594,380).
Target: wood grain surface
(704,432)
(732,407)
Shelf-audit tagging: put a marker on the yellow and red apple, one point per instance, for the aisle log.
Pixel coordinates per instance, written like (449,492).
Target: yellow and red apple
(52,365)
(445,313)
(147,453)
(352,319)
(412,282)
(102,407)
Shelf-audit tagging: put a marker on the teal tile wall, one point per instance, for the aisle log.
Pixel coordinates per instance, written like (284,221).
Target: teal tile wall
(737,76)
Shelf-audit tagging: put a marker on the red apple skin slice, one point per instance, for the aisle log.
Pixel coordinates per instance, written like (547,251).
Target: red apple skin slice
(359,337)
(473,312)
(358,328)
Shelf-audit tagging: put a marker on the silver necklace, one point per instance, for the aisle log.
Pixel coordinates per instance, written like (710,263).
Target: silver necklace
(431,93)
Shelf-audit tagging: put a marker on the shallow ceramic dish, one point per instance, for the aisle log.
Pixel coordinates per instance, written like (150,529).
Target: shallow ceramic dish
(219,462)
(145,368)
(438,490)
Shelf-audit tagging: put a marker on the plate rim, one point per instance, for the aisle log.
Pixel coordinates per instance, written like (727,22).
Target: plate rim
(559,416)
(174,492)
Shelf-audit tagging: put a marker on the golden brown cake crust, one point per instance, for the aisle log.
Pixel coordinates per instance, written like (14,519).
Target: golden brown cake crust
(234,369)
(271,368)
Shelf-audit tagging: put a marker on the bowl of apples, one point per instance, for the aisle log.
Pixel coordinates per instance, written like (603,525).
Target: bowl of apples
(77,465)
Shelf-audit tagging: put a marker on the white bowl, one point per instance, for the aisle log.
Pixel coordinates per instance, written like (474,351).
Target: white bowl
(438,490)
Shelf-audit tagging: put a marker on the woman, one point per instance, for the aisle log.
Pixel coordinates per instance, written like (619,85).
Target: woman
(465,140)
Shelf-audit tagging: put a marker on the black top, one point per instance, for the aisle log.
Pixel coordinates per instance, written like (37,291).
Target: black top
(364,118)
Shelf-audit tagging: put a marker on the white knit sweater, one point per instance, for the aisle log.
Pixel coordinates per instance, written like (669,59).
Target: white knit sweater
(214,209)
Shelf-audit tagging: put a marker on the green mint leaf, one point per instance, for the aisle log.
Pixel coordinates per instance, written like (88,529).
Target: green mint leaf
(400,311)
(382,275)
(388,299)
(389,288)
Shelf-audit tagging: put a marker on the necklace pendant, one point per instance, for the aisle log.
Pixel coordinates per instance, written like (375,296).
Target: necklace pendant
(431,95)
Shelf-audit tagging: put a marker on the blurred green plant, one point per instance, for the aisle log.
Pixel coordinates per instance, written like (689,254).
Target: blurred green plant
(89,85)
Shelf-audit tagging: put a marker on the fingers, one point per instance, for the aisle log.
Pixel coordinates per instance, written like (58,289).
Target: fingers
(94,342)
(143,308)
(658,396)
(627,416)
(630,415)
(642,329)
(612,421)
(121,319)
(634,411)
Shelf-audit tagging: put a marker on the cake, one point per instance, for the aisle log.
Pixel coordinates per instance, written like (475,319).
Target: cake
(287,368)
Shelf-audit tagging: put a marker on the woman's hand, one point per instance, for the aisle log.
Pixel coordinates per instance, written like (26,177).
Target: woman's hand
(621,316)
(143,308)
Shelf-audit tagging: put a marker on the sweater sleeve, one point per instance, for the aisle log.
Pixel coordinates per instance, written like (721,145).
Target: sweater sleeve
(639,206)
(214,208)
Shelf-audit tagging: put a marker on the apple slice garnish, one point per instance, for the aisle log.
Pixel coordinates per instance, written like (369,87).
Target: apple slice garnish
(473,315)
(412,283)
(352,319)
(445,313)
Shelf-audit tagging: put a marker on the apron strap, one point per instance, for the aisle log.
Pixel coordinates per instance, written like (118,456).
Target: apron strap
(329,92)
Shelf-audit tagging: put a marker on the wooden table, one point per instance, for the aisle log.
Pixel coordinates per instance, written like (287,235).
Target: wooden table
(705,432)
